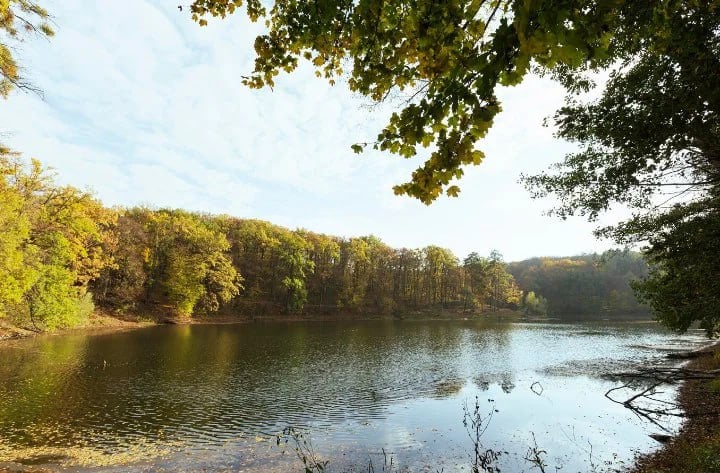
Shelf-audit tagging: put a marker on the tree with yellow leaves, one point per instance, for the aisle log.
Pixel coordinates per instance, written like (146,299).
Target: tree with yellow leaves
(18,18)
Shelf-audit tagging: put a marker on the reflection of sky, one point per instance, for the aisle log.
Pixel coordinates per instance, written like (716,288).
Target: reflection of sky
(216,394)
(569,420)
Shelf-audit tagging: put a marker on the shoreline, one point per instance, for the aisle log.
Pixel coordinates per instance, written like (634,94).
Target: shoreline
(103,322)
(100,322)
(696,448)
(97,323)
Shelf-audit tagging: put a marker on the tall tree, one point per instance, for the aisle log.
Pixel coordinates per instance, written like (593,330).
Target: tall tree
(652,142)
(439,263)
(188,264)
(123,285)
(478,270)
(295,265)
(356,272)
(16,275)
(324,254)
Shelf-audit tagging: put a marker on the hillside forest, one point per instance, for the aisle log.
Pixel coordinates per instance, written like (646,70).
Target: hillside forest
(63,254)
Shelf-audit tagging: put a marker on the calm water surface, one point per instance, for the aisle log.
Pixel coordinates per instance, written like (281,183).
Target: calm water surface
(212,397)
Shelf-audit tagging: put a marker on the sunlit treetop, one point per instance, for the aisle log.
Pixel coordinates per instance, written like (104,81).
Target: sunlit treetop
(18,18)
(442,61)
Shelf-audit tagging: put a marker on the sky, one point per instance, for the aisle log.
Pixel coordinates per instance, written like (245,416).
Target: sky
(144,107)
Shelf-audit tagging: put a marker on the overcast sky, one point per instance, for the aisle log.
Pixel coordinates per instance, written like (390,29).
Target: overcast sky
(143,106)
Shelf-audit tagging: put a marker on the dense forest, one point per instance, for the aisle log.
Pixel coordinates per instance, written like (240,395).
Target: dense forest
(587,286)
(63,253)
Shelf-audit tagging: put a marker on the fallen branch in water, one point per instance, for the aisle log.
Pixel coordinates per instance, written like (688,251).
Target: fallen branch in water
(650,414)
(646,382)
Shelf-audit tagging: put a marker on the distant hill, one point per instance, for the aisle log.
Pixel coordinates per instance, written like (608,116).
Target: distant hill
(587,286)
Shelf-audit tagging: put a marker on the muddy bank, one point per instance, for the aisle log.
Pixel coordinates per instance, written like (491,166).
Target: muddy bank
(96,323)
(696,448)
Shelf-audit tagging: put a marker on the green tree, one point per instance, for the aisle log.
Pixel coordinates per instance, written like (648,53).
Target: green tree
(254,244)
(16,276)
(122,285)
(490,281)
(295,267)
(478,270)
(356,272)
(683,248)
(504,291)
(188,264)
(438,264)
(324,254)
(651,142)
(276,262)
(406,284)
(67,238)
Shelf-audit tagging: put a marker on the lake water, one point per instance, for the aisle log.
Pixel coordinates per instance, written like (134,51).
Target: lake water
(214,397)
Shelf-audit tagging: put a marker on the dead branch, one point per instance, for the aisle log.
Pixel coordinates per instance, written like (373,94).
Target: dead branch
(646,382)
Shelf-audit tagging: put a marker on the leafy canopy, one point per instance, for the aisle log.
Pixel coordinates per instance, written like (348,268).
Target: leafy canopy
(442,60)
(188,262)
(52,241)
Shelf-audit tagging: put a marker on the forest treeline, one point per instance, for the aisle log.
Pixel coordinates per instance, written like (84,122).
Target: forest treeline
(62,253)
